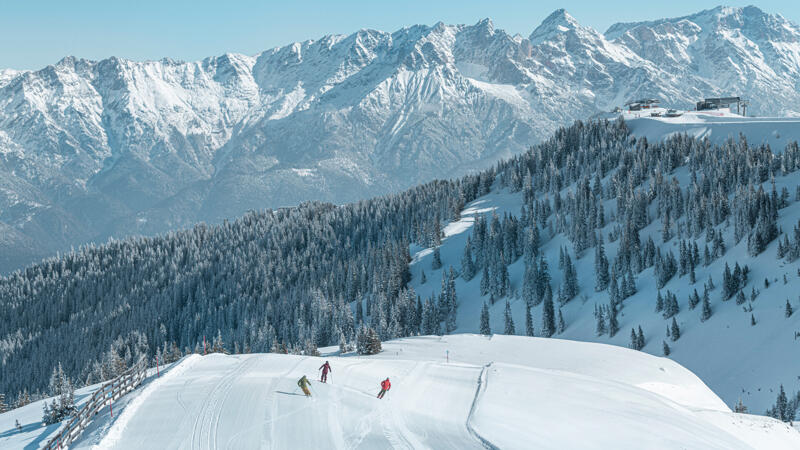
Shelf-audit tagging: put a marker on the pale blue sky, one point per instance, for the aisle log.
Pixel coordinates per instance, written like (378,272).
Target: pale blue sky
(35,33)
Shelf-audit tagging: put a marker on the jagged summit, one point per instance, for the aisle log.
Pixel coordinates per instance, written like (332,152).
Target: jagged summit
(748,17)
(559,21)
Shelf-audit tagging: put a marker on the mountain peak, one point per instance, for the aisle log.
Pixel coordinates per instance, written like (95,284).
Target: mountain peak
(558,22)
(745,18)
(487,24)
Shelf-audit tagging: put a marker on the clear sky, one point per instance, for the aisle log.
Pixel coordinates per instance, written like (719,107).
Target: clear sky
(35,33)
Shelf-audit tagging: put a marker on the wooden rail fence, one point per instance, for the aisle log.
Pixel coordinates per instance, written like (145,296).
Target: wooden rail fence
(109,392)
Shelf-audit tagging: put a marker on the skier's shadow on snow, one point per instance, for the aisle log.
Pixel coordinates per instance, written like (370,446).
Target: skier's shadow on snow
(290,393)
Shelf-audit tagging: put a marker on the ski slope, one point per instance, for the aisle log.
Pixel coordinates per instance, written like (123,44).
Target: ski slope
(498,392)
(717,126)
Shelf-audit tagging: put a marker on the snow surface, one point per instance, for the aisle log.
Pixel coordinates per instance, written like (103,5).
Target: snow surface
(717,126)
(35,435)
(457,391)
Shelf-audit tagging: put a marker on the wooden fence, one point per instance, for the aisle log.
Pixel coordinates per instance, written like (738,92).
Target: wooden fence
(109,392)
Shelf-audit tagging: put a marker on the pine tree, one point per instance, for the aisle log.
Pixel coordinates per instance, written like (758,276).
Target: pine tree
(548,318)
(48,416)
(467,266)
(634,340)
(601,276)
(219,345)
(705,314)
(675,332)
(640,338)
(529,284)
(529,331)
(3,405)
(485,280)
(561,325)
(423,279)
(630,285)
(613,324)
(371,343)
(600,329)
(694,299)
(436,263)
(740,408)
(509,320)
(430,318)
(486,330)
(752,320)
(451,313)
(614,294)
(789,309)
(63,405)
(781,411)
(728,284)
(570,287)
(666,349)
(659,302)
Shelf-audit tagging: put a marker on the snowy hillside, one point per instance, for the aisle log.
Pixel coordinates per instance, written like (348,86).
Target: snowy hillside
(737,359)
(498,392)
(91,149)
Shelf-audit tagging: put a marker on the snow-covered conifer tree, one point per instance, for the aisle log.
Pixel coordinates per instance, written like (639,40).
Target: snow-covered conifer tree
(509,320)
(436,262)
(601,276)
(675,331)
(485,329)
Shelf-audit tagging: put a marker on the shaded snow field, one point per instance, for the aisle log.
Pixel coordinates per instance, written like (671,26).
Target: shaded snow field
(500,392)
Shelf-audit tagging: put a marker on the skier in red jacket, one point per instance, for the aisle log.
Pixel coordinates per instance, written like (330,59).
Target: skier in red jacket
(325,368)
(385,386)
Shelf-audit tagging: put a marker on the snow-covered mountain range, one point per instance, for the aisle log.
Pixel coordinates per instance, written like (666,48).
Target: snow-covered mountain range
(92,149)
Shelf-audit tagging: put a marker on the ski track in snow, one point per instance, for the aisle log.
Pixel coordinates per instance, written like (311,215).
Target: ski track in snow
(207,420)
(115,433)
(483,381)
(270,392)
(394,426)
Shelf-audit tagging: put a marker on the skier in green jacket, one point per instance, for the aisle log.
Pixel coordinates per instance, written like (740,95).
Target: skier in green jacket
(304,384)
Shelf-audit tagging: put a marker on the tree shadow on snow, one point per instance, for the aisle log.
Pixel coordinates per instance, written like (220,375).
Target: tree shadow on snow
(48,430)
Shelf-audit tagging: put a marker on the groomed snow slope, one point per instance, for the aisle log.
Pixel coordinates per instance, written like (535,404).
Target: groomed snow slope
(532,393)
